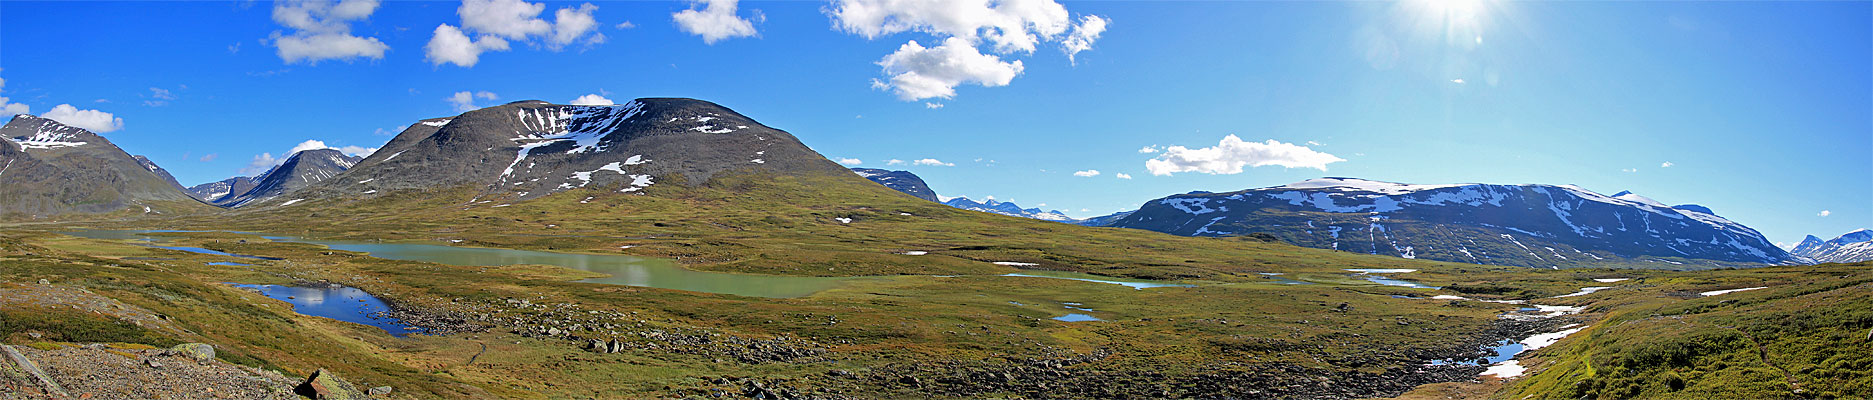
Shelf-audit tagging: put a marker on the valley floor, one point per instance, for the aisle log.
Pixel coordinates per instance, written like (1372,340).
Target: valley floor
(1307,329)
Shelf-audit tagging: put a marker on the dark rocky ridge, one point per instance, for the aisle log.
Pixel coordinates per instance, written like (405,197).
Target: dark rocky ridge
(49,168)
(902,181)
(159,171)
(530,149)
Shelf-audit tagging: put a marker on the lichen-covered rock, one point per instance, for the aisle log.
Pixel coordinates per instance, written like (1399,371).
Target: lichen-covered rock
(324,385)
(197,351)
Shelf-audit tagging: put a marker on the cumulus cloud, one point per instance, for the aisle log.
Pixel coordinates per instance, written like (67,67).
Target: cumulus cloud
(894,162)
(1629,170)
(917,72)
(91,120)
(260,164)
(592,100)
(450,46)
(1231,154)
(1082,36)
(1122,175)
(1149,149)
(492,23)
(1087,173)
(1006,27)
(1667,164)
(716,21)
(321,30)
(851,161)
(8,108)
(1825,213)
(933,162)
(464,101)
(932,105)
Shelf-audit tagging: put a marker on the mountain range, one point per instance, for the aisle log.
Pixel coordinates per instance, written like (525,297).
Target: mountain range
(531,149)
(1853,246)
(1525,225)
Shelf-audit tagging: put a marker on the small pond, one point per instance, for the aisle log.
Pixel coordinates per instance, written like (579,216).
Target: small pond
(341,303)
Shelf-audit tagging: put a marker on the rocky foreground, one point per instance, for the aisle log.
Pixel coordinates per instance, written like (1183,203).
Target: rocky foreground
(121,371)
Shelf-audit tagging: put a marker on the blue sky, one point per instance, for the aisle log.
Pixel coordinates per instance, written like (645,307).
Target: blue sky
(1762,111)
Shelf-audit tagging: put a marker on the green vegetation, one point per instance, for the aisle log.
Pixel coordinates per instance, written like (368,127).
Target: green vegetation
(907,332)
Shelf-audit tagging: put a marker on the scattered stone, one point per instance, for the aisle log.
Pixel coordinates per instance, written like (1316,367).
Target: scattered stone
(153,363)
(45,282)
(379,391)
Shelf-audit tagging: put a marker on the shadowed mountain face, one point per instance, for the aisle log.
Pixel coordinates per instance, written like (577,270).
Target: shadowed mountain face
(302,170)
(1527,225)
(529,149)
(902,181)
(159,171)
(213,191)
(51,168)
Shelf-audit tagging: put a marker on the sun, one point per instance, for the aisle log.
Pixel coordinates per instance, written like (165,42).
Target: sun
(1457,21)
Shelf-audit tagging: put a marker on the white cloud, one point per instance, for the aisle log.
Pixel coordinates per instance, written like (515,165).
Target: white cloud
(210,157)
(716,21)
(626,25)
(572,24)
(161,96)
(1148,149)
(91,120)
(1007,27)
(1314,143)
(1231,154)
(1825,213)
(1087,173)
(1122,175)
(1458,81)
(1629,170)
(592,100)
(932,106)
(850,161)
(464,101)
(494,22)
(390,132)
(261,163)
(919,73)
(1082,36)
(321,30)
(449,45)
(894,162)
(933,162)
(7,108)
(1667,164)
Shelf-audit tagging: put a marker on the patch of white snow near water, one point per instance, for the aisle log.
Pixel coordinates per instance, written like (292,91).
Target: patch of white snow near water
(1585,291)
(290,202)
(915,253)
(1014,264)
(1381,271)
(1611,280)
(1723,292)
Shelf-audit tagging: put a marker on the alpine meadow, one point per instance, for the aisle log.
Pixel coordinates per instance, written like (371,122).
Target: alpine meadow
(936,199)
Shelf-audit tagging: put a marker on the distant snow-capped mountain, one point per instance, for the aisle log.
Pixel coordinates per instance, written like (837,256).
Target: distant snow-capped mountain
(1527,225)
(1853,246)
(1009,209)
(303,169)
(213,191)
(902,181)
